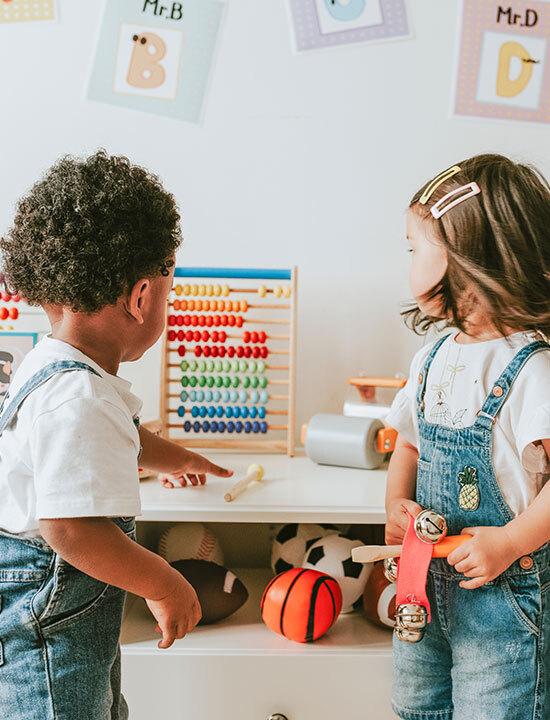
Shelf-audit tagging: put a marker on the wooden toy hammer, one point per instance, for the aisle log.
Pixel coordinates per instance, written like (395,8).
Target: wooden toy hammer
(254,473)
(372,553)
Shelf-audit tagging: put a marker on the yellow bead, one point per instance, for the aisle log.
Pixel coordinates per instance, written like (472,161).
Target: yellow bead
(209,289)
(217,290)
(202,290)
(262,291)
(277,291)
(225,290)
(286,291)
(177,289)
(194,290)
(244,306)
(186,290)
(234,306)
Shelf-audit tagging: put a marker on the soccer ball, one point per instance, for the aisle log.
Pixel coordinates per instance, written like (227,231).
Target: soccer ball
(292,541)
(332,555)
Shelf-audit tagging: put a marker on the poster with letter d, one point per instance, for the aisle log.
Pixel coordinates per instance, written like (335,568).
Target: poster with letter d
(156,55)
(504,60)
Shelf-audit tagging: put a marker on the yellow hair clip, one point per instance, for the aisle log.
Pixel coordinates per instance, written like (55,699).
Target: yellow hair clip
(436,182)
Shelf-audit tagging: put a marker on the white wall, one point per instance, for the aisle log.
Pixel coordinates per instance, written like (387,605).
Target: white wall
(306,160)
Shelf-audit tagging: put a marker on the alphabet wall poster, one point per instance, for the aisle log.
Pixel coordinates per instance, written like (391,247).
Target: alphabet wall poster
(20,11)
(156,55)
(327,23)
(504,60)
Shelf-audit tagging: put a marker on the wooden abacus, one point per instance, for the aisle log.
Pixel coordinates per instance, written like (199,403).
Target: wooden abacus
(228,369)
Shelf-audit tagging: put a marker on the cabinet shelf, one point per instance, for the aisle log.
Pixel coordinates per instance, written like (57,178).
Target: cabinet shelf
(293,490)
(244,634)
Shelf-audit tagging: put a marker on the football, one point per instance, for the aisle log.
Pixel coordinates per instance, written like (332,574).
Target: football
(191,540)
(292,542)
(220,592)
(332,555)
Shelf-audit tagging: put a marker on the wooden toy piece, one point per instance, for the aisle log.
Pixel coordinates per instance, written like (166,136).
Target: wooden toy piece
(372,553)
(254,473)
(366,386)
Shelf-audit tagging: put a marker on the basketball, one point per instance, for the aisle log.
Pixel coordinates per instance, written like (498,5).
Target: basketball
(301,604)
(379,598)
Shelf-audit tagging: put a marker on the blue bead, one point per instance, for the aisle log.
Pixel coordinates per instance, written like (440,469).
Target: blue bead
(211,411)
(213,426)
(208,395)
(242,396)
(206,426)
(195,411)
(181,411)
(236,411)
(233,395)
(187,426)
(244,412)
(254,396)
(263,427)
(225,396)
(203,411)
(230,426)
(239,426)
(253,412)
(184,395)
(221,426)
(192,395)
(197,426)
(261,412)
(200,395)
(247,427)
(216,395)
(220,411)
(229,411)
(256,427)
(264,396)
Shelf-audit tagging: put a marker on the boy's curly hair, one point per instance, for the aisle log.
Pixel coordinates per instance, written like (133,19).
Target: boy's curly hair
(87,231)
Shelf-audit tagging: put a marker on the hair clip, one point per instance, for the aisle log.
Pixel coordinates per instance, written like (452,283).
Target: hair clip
(436,182)
(437,210)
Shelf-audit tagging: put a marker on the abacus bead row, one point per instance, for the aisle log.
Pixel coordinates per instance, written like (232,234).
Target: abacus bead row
(202,290)
(12,313)
(242,366)
(258,351)
(206,320)
(220,411)
(214,335)
(214,426)
(254,396)
(226,381)
(212,305)
(278,291)
(8,297)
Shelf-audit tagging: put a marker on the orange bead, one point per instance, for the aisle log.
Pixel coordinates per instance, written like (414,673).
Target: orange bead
(190,304)
(220,305)
(176,304)
(14,313)
(244,306)
(4,313)
(183,305)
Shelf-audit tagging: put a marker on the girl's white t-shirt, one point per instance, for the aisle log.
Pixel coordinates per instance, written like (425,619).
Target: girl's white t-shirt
(72,449)
(459,380)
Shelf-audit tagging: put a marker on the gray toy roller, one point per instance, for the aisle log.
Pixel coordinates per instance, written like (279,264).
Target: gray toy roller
(344,441)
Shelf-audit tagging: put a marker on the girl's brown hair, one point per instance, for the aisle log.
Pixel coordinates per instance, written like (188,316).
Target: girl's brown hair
(498,248)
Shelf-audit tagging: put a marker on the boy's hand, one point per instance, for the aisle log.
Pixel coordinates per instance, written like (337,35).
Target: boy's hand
(193,469)
(397,519)
(484,557)
(177,613)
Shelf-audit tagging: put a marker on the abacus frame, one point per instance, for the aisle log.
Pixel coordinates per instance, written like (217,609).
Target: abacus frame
(237,442)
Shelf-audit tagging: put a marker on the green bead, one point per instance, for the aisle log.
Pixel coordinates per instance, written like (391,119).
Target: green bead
(254,381)
(243,365)
(235,366)
(226,366)
(210,365)
(235,382)
(184,365)
(263,381)
(218,365)
(185,381)
(183,395)
(210,381)
(193,381)
(252,366)
(202,380)
(226,381)
(201,366)
(261,366)
(192,365)
(246,381)
(219,381)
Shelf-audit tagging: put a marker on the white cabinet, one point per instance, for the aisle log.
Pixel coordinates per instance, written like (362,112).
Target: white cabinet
(238,669)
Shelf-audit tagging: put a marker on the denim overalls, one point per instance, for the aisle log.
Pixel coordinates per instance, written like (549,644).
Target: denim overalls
(59,628)
(486,653)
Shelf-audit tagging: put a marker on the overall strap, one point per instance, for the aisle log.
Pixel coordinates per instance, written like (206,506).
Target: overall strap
(423,376)
(494,401)
(42,376)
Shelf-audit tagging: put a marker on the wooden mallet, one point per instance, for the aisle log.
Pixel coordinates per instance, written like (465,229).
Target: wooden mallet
(254,474)
(372,553)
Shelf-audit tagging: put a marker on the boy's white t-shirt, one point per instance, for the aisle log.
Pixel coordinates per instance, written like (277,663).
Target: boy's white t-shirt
(72,449)
(459,380)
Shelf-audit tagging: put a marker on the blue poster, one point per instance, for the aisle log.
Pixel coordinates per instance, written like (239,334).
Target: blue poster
(156,56)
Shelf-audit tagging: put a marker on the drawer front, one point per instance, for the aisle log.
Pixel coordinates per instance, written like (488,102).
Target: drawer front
(256,688)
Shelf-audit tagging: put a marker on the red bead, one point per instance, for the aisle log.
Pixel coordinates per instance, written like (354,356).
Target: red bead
(231,320)
(239,321)
(246,336)
(202,320)
(189,335)
(196,335)
(264,351)
(214,351)
(262,337)
(214,336)
(248,351)
(181,350)
(194,320)
(6,296)
(171,335)
(254,337)
(223,319)
(217,320)
(14,313)
(206,351)
(186,320)
(171,320)
(198,351)
(4,313)
(221,351)
(256,352)
(223,336)
(181,319)
(209,321)
(231,351)
(240,351)
(181,335)
(16,298)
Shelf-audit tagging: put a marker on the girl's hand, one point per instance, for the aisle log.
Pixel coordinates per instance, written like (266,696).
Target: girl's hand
(484,557)
(193,469)
(398,520)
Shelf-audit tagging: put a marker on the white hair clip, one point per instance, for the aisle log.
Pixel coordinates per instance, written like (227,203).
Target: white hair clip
(440,208)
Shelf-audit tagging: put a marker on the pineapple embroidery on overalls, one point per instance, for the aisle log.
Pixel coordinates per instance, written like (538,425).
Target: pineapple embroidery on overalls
(468,496)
